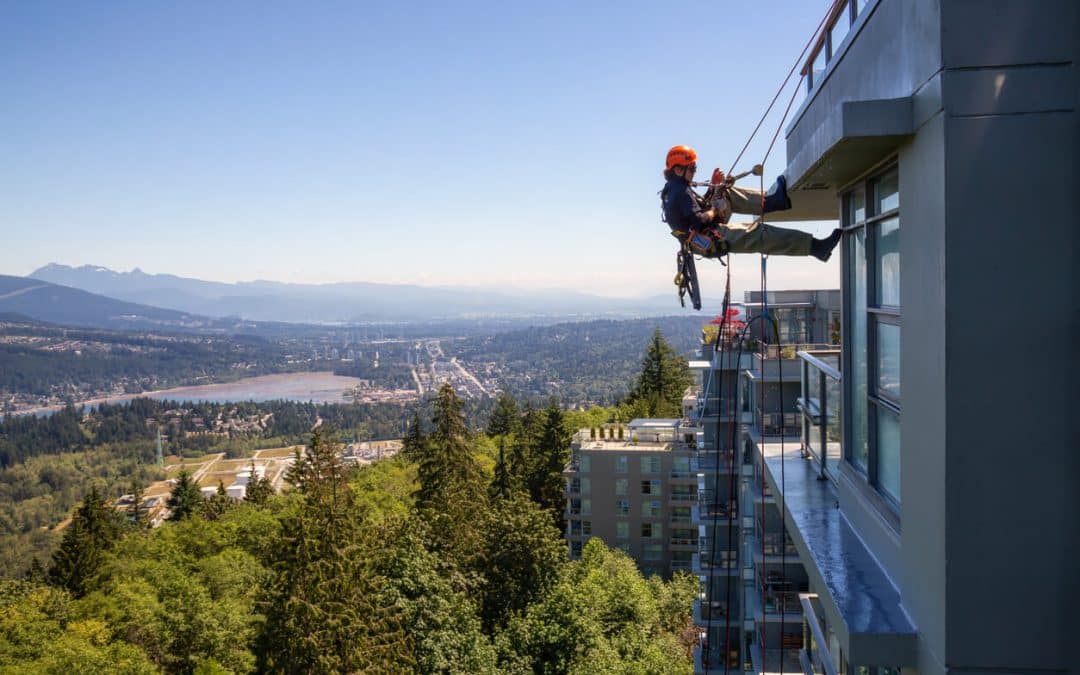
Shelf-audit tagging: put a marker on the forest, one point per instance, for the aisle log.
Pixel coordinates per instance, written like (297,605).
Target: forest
(447,558)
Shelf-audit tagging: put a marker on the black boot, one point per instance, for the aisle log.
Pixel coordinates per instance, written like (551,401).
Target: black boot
(776,198)
(822,248)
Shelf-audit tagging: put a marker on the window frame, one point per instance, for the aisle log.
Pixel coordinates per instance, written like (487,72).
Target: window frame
(876,315)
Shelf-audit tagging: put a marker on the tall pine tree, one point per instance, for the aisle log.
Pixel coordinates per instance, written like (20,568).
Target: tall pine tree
(94,529)
(185,499)
(446,467)
(326,611)
(505,418)
(552,452)
(663,379)
(259,488)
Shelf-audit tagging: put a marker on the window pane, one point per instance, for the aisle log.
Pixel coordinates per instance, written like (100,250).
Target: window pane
(888,360)
(620,486)
(621,464)
(586,486)
(585,464)
(887,265)
(888,452)
(856,207)
(838,31)
(857,344)
(622,529)
(818,67)
(887,192)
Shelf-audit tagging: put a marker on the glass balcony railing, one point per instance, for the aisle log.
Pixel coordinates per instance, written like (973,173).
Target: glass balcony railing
(820,406)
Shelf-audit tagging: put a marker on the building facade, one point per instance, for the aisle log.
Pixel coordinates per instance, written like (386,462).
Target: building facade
(635,487)
(930,500)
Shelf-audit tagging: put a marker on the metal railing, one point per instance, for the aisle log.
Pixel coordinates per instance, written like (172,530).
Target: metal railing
(815,656)
(820,406)
(774,423)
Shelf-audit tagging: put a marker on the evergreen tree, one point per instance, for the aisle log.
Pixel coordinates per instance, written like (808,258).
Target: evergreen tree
(412,445)
(94,529)
(185,498)
(505,418)
(320,473)
(545,481)
(216,506)
(502,484)
(446,468)
(663,379)
(327,610)
(520,462)
(259,488)
(140,516)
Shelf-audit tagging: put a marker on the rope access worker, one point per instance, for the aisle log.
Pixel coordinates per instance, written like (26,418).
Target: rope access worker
(704,226)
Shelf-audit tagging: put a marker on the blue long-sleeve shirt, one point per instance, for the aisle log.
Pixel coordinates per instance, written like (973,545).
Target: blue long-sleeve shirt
(682,210)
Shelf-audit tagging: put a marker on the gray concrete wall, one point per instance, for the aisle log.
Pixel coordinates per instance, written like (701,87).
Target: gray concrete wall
(1011,236)
(986,557)
(894,51)
(921,573)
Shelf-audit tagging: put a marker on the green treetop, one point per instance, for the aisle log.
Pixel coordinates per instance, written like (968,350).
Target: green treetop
(664,377)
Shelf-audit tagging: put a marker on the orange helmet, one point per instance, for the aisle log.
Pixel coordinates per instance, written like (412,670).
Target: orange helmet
(680,155)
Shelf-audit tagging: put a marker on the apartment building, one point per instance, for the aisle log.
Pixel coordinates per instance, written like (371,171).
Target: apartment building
(635,487)
(925,521)
(750,574)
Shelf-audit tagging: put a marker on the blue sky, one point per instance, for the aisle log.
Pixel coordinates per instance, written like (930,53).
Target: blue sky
(471,143)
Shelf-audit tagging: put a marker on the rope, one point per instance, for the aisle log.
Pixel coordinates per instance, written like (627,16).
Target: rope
(802,54)
(764,316)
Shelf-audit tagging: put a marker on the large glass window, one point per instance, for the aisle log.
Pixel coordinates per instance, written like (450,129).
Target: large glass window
(856,346)
(650,464)
(622,529)
(872,337)
(621,464)
(620,486)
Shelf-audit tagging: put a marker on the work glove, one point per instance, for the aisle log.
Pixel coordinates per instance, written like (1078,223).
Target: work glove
(722,206)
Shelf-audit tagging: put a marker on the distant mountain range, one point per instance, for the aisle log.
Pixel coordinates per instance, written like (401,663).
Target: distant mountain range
(340,302)
(43,301)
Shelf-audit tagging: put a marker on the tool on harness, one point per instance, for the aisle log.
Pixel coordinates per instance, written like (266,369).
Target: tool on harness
(686,278)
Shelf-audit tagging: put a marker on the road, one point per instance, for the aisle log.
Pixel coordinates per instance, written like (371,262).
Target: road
(465,374)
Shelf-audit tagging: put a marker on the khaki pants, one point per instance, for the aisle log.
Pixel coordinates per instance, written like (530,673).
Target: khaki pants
(758,238)
(745,200)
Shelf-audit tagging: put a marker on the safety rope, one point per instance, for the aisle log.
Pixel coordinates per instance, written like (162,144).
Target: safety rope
(780,89)
(764,316)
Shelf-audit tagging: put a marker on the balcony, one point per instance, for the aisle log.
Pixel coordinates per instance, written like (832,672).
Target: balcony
(687,498)
(687,517)
(820,407)
(776,659)
(777,424)
(724,563)
(681,565)
(711,662)
(707,461)
(716,514)
(705,611)
(852,588)
(684,543)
